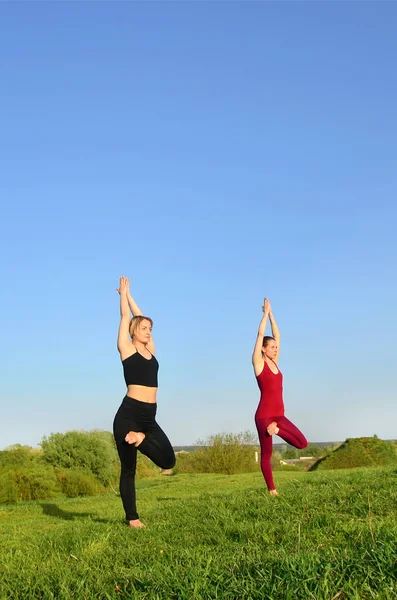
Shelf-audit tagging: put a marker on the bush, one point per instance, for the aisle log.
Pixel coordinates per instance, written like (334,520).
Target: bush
(145,468)
(8,488)
(184,462)
(290,453)
(310,450)
(91,451)
(19,455)
(78,483)
(226,453)
(28,483)
(277,456)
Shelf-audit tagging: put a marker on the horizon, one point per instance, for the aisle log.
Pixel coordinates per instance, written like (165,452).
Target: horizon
(180,447)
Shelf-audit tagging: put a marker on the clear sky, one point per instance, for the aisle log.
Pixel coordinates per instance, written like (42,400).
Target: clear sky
(215,153)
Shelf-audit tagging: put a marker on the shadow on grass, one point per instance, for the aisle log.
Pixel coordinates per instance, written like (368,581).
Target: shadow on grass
(318,462)
(52,510)
(166,498)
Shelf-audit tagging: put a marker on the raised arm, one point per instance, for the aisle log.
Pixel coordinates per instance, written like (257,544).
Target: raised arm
(257,358)
(275,332)
(136,311)
(123,340)
(125,307)
(134,308)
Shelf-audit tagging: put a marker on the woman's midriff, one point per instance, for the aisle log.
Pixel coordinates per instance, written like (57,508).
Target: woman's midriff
(142,393)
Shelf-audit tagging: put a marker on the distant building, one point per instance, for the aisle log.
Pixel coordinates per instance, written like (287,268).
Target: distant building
(293,461)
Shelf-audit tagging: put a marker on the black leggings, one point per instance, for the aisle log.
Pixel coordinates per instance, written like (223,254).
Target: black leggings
(134,415)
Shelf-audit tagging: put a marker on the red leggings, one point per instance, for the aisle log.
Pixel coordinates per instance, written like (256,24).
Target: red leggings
(287,431)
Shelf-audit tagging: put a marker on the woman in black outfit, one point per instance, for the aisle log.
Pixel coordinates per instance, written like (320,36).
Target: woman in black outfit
(135,427)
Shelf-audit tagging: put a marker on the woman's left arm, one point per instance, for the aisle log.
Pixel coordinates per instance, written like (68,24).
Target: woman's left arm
(134,308)
(136,312)
(275,332)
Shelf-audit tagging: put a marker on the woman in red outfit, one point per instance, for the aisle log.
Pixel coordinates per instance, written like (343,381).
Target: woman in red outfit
(269,416)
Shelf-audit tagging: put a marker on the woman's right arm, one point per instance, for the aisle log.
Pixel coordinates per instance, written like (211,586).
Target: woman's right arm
(124,343)
(136,311)
(257,358)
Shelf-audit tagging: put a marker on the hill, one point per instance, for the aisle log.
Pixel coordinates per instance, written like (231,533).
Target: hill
(359,452)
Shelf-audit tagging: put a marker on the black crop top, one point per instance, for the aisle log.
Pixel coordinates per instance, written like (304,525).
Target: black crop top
(139,370)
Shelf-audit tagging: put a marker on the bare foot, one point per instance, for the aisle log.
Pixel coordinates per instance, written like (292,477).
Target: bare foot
(272,428)
(134,437)
(273,492)
(136,523)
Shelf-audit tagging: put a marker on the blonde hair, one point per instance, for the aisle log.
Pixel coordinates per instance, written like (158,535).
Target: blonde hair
(136,321)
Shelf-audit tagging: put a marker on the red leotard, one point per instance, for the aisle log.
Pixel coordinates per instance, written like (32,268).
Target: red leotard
(271,386)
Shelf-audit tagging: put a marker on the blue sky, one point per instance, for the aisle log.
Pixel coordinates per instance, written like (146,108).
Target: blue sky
(215,153)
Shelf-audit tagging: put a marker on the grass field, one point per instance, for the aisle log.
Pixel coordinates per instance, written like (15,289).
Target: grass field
(329,535)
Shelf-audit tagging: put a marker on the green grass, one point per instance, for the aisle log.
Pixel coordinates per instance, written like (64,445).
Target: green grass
(329,535)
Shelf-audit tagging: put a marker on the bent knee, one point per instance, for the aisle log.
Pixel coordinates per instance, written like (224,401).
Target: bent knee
(169,463)
(172,463)
(303,444)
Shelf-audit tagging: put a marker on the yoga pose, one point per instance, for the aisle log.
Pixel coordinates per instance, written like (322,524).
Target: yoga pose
(135,426)
(269,416)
